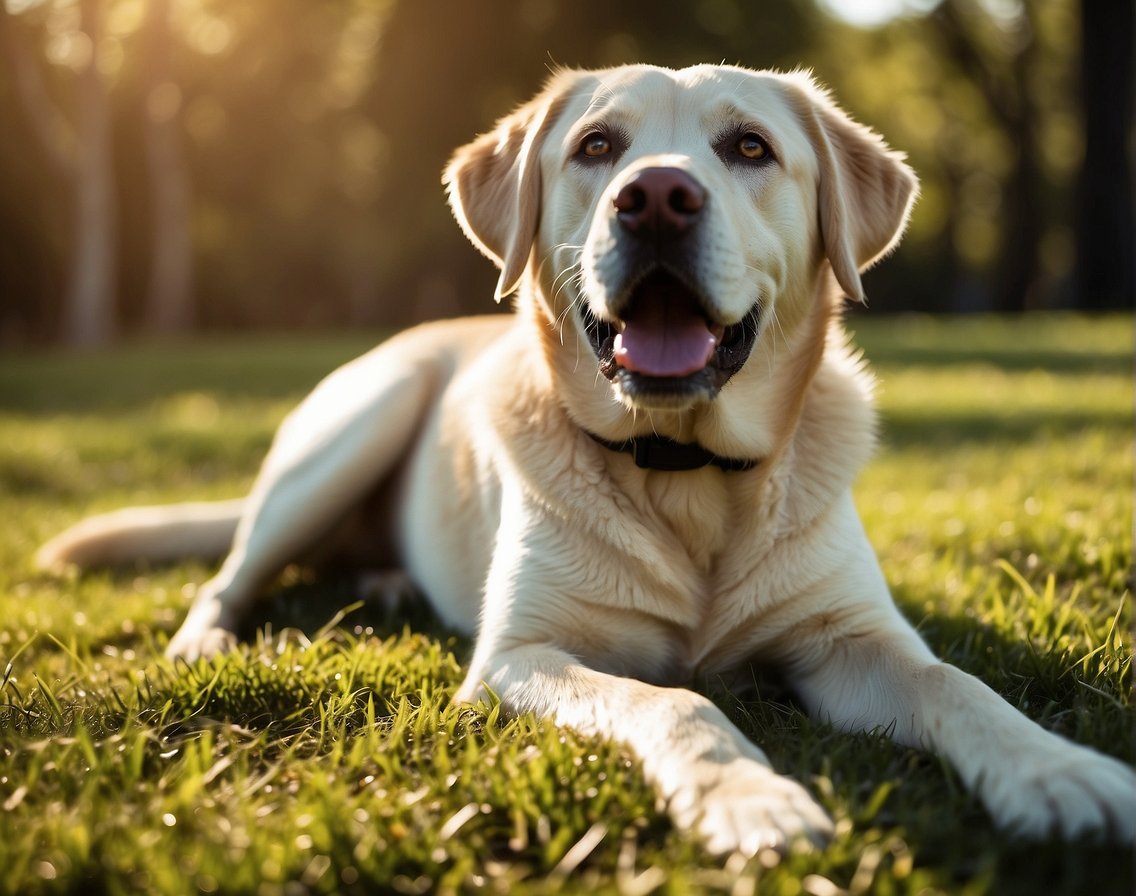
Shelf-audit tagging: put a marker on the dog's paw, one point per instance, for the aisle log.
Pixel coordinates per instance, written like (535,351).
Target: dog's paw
(1072,792)
(205,633)
(746,807)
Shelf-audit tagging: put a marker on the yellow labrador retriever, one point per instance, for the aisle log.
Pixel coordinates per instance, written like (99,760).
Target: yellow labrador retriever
(645,472)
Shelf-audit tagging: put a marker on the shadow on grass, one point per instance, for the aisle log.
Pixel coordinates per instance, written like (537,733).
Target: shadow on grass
(953,428)
(1048,687)
(892,354)
(1059,343)
(895,788)
(309,606)
(260,367)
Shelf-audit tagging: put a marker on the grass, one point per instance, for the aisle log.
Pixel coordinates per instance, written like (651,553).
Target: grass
(325,757)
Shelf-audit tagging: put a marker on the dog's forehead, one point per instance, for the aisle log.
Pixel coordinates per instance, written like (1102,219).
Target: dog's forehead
(706,97)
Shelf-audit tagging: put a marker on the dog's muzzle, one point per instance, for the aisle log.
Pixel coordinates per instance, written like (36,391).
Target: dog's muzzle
(665,344)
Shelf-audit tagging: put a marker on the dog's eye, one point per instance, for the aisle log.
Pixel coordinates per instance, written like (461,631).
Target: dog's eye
(752,147)
(595,145)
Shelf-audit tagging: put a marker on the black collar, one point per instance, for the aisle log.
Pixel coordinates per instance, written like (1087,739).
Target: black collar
(660,453)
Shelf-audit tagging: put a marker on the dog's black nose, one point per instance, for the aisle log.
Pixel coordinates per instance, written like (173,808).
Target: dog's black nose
(661,201)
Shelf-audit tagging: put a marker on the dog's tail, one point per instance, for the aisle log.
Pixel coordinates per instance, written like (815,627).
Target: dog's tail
(156,534)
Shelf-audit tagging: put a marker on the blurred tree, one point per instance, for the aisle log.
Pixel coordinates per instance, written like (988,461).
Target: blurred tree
(1002,71)
(47,122)
(35,148)
(314,135)
(88,311)
(982,95)
(1106,220)
(169,295)
(89,308)
(286,160)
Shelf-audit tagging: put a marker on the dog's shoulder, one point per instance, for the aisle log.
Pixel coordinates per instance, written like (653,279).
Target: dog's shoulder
(836,433)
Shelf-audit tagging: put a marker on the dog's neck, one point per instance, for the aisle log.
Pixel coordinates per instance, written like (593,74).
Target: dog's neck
(653,452)
(683,447)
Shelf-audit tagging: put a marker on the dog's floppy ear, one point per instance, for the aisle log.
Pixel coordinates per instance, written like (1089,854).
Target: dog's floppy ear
(865,192)
(494,184)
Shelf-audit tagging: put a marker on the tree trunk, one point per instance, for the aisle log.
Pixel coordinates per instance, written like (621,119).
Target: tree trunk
(1106,229)
(47,123)
(89,306)
(169,299)
(1006,90)
(1019,271)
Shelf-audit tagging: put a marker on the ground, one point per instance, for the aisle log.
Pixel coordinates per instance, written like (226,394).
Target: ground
(324,757)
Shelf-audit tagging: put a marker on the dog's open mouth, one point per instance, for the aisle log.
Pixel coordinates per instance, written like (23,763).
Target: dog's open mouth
(666,344)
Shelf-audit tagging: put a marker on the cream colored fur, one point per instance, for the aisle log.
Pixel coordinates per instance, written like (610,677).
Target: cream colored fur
(594,588)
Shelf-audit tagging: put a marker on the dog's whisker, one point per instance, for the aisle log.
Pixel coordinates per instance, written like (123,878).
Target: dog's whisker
(564,279)
(563,316)
(562,319)
(779,328)
(776,331)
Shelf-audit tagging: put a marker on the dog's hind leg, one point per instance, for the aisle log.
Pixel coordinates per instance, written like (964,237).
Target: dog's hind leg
(327,456)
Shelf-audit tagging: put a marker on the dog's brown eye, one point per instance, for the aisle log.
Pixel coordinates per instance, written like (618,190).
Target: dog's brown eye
(595,145)
(752,147)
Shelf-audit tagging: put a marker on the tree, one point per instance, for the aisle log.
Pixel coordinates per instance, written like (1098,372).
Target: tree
(169,294)
(1106,229)
(1005,83)
(89,315)
(82,156)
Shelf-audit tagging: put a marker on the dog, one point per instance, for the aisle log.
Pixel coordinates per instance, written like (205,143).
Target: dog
(644,473)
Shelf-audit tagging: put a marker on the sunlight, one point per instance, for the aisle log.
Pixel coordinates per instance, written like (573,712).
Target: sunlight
(15,7)
(873,13)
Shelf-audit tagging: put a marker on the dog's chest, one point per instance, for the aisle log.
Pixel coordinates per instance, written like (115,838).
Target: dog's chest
(713,535)
(693,511)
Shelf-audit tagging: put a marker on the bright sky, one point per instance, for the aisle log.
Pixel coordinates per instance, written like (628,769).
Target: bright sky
(869,13)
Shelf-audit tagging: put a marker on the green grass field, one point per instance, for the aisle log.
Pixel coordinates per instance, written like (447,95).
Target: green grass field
(325,757)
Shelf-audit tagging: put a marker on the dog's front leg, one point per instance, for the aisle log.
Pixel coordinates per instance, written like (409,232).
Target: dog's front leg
(1033,782)
(713,779)
(326,455)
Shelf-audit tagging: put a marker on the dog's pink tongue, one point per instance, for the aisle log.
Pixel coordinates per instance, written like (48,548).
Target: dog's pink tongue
(665,339)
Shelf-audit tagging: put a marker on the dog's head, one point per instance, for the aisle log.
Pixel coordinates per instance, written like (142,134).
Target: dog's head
(671,217)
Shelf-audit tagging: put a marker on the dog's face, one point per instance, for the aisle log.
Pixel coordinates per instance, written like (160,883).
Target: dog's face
(677,217)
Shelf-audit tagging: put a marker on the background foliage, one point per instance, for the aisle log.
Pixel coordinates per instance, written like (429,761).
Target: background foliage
(240,163)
